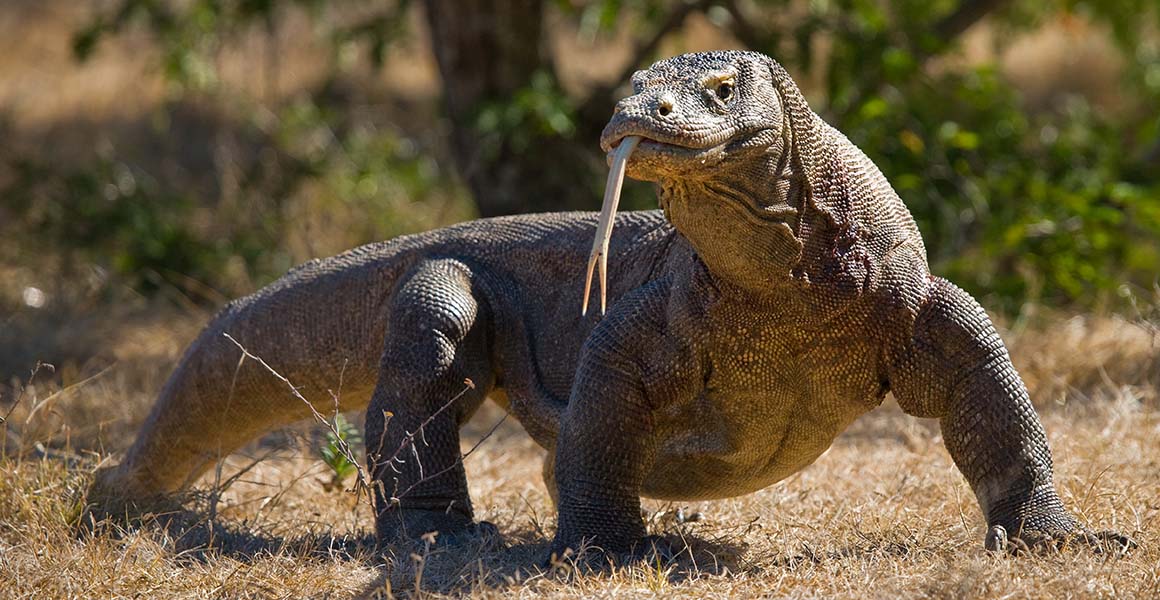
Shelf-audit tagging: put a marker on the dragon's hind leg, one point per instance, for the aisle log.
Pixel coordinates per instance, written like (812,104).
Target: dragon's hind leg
(437,339)
(219,398)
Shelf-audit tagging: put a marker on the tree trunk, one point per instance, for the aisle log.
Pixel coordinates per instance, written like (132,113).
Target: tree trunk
(488,51)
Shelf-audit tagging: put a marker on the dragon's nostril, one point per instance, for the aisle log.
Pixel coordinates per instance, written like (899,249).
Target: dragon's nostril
(665,105)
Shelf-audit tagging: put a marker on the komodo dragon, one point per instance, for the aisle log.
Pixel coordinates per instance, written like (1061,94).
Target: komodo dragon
(781,291)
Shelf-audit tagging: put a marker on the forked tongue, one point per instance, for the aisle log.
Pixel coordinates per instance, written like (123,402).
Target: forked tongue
(604,226)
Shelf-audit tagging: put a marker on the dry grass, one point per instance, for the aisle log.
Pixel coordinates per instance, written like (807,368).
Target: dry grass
(883,513)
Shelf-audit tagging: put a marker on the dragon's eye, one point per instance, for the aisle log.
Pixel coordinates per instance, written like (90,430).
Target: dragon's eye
(725,90)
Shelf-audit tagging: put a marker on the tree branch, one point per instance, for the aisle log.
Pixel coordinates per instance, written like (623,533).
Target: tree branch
(675,19)
(743,28)
(967,14)
(945,30)
(595,108)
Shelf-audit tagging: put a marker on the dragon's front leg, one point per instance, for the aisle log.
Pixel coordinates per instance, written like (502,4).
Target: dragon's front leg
(956,368)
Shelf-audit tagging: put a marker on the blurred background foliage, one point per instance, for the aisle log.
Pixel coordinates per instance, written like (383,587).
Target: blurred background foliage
(249,135)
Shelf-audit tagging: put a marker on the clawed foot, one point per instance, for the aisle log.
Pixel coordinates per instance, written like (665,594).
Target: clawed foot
(437,528)
(649,549)
(485,536)
(1028,541)
(484,533)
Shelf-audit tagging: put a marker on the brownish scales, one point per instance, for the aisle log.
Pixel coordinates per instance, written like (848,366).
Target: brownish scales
(781,294)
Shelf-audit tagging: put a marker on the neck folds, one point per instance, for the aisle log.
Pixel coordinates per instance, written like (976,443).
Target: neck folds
(741,224)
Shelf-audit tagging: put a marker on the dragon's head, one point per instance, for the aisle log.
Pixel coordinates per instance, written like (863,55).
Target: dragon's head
(730,140)
(697,112)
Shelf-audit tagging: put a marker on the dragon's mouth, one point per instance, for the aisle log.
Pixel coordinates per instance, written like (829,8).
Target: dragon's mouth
(651,143)
(662,147)
(647,140)
(646,145)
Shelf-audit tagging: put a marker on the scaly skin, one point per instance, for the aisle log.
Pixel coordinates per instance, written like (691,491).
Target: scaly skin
(783,291)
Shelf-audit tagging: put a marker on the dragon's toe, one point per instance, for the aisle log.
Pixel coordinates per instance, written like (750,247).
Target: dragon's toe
(1036,541)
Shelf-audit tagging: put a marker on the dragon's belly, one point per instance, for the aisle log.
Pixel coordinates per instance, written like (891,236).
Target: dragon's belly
(716,454)
(764,413)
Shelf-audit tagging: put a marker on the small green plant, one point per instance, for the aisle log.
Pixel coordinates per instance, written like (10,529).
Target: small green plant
(332,454)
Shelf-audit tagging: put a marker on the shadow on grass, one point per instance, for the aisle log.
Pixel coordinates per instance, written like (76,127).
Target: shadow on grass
(417,567)
(195,537)
(873,546)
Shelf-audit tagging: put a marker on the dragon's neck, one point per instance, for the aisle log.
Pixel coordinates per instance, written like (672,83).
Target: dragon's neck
(742,222)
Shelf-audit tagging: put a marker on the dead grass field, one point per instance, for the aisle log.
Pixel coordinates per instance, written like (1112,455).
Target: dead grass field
(884,513)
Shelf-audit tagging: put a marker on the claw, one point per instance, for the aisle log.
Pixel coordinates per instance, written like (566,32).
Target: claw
(996,540)
(1107,541)
(1028,542)
(604,226)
